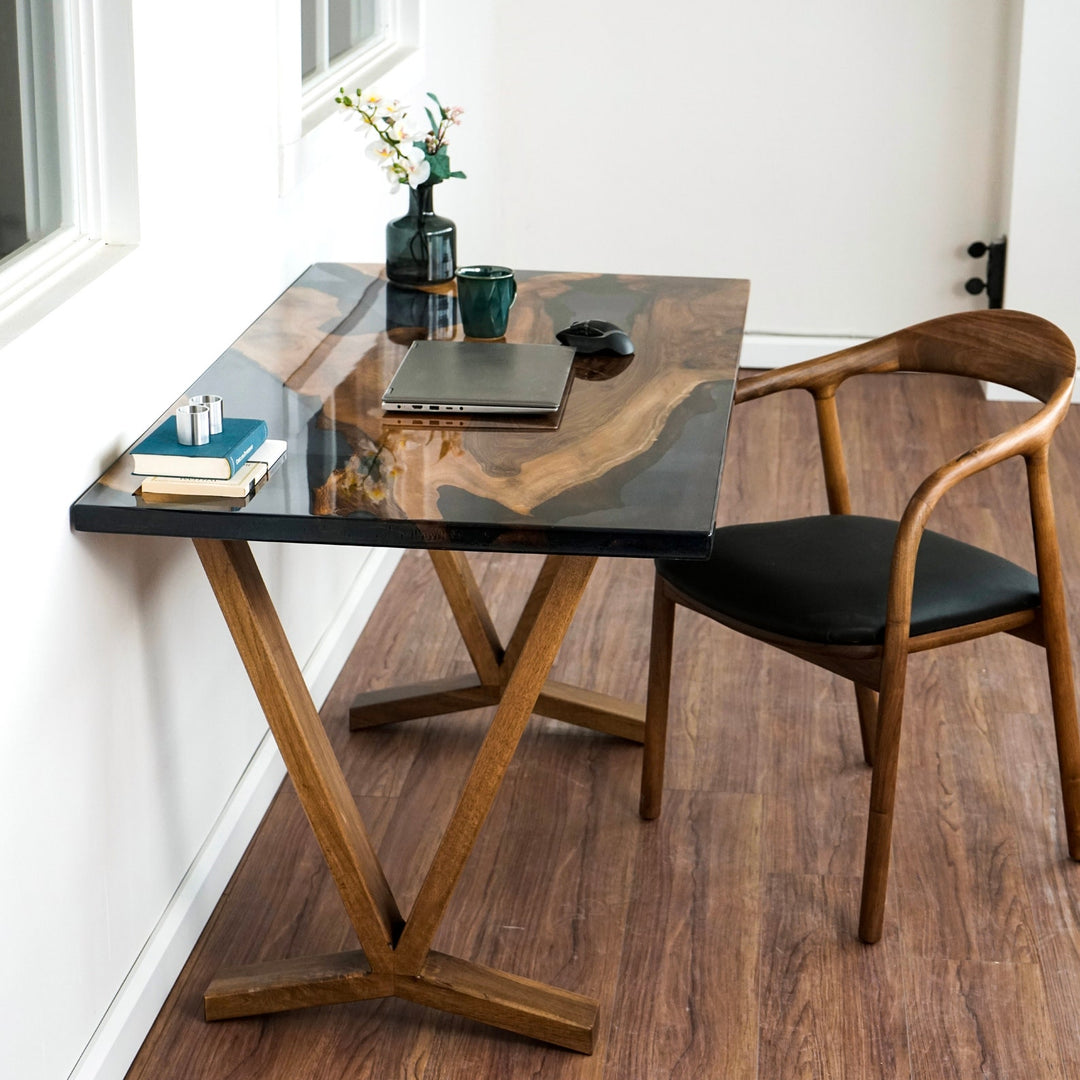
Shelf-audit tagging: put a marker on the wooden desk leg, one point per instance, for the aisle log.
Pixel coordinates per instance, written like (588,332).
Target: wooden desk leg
(301,738)
(537,655)
(397,959)
(416,700)
(456,985)
(494,666)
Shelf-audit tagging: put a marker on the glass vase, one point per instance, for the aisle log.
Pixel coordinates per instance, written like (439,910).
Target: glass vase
(421,246)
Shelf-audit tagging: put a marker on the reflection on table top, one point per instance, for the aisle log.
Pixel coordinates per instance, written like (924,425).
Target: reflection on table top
(632,468)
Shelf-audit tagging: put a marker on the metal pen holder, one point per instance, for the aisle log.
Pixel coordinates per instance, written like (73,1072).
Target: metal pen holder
(213,403)
(193,425)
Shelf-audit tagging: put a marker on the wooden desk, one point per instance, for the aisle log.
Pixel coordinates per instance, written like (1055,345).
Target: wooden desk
(631,470)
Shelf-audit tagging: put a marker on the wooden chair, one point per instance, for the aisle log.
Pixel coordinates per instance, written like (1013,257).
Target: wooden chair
(856,595)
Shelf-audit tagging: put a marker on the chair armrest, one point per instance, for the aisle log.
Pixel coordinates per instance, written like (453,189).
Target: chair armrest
(1024,439)
(823,374)
(1029,438)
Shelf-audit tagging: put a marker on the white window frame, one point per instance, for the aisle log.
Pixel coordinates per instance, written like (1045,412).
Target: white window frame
(95,78)
(329,75)
(305,104)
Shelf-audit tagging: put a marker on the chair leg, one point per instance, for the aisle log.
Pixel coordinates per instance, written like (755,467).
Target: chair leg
(1063,696)
(656,706)
(882,798)
(866,699)
(1055,625)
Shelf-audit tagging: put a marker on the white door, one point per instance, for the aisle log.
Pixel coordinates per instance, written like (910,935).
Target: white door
(1042,272)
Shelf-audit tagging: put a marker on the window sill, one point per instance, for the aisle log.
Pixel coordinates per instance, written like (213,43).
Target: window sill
(317,102)
(312,127)
(55,280)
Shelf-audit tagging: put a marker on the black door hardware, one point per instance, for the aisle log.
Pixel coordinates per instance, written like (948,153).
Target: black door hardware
(995,271)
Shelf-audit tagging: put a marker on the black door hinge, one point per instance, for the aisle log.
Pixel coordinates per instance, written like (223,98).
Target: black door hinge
(995,271)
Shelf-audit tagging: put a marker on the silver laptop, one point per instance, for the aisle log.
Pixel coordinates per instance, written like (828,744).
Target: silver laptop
(480,377)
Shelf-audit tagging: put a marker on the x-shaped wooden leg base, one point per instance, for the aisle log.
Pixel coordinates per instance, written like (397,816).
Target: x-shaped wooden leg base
(494,666)
(396,958)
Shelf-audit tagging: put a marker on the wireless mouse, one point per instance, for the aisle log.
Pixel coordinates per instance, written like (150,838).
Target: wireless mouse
(596,336)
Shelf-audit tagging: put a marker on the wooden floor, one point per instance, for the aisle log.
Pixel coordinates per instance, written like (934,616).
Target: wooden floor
(720,939)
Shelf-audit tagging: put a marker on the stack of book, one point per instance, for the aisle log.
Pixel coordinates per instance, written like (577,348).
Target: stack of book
(231,464)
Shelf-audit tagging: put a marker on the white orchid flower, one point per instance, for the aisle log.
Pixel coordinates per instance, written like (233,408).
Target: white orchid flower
(370,99)
(402,133)
(417,171)
(382,152)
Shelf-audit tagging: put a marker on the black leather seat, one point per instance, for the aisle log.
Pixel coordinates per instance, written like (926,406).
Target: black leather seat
(826,579)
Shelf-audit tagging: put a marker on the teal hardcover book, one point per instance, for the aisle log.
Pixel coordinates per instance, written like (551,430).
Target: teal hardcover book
(162,454)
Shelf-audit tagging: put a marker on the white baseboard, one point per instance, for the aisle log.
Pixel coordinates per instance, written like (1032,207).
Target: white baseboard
(132,1012)
(996,392)
(762,351)
(778,350)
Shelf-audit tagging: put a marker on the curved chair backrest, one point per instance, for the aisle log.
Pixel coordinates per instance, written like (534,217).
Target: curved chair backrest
(1011,348)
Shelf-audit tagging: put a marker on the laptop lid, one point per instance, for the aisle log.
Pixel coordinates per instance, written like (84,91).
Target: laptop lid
(480,376)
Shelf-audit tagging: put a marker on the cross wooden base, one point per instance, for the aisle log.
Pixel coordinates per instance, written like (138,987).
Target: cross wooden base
(396,958)
(494,665)
(443,982)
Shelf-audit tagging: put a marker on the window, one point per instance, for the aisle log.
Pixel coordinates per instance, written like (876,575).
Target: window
(35,201)
(327,44)
(350,43)
(66,108)
(333,29)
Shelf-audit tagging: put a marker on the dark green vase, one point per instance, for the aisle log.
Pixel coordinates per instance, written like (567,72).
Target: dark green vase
(421,247)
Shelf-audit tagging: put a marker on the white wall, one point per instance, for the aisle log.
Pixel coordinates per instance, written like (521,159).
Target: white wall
(839,155)
(1043,264)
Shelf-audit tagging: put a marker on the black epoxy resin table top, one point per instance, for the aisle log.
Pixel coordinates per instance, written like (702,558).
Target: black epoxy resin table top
(632,468)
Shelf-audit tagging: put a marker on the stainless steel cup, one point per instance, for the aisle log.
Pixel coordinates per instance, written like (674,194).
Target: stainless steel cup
(213,403)
(193,425)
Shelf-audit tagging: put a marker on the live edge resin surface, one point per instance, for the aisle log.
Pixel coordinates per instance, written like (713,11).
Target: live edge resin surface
(633,467)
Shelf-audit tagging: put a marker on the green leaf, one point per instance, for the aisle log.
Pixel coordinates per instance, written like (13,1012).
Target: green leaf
(436,100)
(457,175)
(431,120)
(440,166)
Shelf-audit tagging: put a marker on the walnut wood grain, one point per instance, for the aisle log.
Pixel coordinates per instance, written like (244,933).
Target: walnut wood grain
(471,614)
(691,983)
(661,639)
(505,1001)
(515,707)
(494,666)
(592,709)
(411,701)
(814,1025)
(286,703)
(315,366)
(281,985)
(397,958)
(561,701)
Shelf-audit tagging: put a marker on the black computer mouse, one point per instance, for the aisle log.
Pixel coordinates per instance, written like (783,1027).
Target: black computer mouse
(596,336)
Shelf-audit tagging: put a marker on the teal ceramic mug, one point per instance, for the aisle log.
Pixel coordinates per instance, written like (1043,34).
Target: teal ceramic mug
(485,296)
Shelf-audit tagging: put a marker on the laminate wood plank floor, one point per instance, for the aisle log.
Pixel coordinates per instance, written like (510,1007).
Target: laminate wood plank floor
(719,939)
